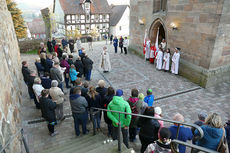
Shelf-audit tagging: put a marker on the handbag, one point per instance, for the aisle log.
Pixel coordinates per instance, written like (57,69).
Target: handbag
(223,145)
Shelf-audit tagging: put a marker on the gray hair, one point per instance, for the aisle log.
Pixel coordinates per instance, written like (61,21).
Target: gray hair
(37,80)
(54,83)
(178,117)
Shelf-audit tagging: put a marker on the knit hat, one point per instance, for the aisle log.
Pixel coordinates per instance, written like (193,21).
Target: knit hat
(150,90)
(158,110)
(119,92)
(202,116)
(141,96)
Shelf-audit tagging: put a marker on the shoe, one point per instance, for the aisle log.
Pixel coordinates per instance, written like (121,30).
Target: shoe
(53,134)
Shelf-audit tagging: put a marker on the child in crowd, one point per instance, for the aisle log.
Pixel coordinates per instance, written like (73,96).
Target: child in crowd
(46,81)
(149,99)
(162,144)
(141,97)
(73,74)
(158,112)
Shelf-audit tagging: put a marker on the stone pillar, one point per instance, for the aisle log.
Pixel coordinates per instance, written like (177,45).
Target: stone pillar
(10,82)
(47,20)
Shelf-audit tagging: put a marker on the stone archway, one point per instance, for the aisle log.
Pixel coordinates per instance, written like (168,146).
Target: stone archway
(153,31)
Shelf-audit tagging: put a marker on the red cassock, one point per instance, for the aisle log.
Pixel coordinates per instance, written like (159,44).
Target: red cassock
(152,54)
(144,48)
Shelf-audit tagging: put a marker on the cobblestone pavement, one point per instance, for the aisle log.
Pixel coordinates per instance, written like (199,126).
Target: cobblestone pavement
(129,71)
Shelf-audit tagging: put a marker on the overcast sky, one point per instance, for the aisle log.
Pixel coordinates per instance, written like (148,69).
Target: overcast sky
(39,4)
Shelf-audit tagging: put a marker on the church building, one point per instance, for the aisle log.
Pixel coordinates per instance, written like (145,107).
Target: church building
(201,28)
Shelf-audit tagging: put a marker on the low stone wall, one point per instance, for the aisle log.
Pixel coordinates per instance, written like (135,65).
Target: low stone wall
(27,45)
(10,82)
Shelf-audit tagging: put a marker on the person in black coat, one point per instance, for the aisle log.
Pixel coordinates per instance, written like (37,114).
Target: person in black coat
(88,66)
(25,71)
(48,111)
(95,101)
(49,45)
(71,44)
(121,40)
(101,89)
(79,67)
(39,66)
(60,51)
(30,88)
(49,63)
(26,75)
(148,129)
(107,99)
(53,42)
(46,81)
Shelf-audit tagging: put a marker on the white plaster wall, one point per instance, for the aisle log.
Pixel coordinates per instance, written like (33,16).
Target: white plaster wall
(123,23)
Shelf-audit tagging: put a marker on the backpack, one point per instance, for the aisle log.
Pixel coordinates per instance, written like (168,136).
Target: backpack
(134,109)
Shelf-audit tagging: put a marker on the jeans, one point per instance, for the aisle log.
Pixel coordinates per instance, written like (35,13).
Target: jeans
(88,75)
(96,120)
(59,111)
(60,85)
(124,134)
(121,50)
(51,127)
(80,118)
(132,134)
(66,81)
(110,133)
(115,47)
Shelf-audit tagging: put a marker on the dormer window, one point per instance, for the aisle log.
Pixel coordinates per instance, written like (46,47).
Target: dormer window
(87,6)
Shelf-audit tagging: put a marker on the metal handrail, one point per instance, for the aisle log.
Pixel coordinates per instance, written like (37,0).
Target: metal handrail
(20,131)
(174,142)
(139,115)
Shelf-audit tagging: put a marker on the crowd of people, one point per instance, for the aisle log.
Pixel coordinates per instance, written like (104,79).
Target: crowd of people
(45,87)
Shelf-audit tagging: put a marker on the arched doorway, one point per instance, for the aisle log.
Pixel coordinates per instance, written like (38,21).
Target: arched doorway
(153,31)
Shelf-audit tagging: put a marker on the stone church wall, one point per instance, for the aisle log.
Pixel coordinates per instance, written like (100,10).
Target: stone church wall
(10,82)
(203,35)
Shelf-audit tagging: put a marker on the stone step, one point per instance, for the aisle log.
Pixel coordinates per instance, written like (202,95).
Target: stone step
(127,151)
(108,148)
(87,146)
(73,143)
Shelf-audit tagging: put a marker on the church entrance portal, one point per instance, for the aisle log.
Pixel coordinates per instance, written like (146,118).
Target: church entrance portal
(153,31)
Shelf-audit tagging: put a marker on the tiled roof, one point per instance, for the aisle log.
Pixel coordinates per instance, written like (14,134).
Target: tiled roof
(74,6)
(117,13)
(37,26)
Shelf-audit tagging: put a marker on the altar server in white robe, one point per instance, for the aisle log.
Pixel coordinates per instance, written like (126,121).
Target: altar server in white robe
(105,61)
(148,49)
(175,61)
(166,60)
(159,58)
(163,44)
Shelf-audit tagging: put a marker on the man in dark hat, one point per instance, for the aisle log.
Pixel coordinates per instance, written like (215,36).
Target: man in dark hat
(119,104)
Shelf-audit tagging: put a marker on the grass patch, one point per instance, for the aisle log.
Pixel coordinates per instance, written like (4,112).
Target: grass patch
(32,52)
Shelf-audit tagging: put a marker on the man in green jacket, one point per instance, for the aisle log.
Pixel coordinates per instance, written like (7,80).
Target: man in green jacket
(119,104)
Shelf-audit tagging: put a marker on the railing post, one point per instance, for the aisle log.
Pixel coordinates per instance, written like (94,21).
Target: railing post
(119,133)
(24,142)
(177,133)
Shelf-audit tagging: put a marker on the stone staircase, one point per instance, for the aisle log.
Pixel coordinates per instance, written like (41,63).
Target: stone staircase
(88,144)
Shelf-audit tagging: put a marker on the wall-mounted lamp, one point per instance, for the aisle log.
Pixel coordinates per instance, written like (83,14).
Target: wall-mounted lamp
(174,26)
(142,21)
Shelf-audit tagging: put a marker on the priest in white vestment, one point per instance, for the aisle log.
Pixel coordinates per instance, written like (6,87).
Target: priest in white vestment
(105,61)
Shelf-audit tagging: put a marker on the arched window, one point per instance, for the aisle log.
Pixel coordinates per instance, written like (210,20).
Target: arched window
(159,5)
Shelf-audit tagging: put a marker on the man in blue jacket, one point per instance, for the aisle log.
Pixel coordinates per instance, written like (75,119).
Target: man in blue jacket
(115,43)
(184,133)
